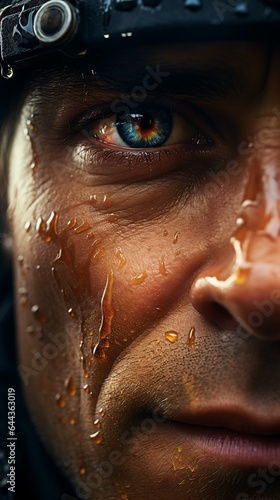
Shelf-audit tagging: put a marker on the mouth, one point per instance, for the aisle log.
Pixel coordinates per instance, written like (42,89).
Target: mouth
(231,436)
(231,447)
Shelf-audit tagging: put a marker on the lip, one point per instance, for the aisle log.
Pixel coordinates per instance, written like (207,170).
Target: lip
(228,446)
(231,435)
(232,418)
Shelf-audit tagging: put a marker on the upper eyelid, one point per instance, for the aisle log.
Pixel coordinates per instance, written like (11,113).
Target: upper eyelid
(85,120)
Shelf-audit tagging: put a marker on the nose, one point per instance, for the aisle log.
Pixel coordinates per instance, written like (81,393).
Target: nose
(244,283)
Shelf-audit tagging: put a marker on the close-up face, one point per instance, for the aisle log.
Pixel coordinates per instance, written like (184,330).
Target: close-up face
(143,206)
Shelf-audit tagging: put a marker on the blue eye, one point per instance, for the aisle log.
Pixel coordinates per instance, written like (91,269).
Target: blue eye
(151,126)
(150,129)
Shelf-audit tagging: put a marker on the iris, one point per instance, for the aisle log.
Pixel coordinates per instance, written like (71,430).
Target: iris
(148,129)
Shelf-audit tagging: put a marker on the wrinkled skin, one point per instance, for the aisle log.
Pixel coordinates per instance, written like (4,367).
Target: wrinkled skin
(136,301)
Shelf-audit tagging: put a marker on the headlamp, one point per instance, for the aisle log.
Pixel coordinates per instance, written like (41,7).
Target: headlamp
(34,28)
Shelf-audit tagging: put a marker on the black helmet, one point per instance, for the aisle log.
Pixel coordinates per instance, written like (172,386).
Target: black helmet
(34,29)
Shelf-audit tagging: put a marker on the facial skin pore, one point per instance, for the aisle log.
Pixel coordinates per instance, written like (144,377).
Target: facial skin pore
(138,274)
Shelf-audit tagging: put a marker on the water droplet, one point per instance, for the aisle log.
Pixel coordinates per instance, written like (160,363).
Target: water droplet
(97,437)
(106,36)
(6,71)
(171,336)
(41,229)
(31,127)
(60,400)
(121,257)
(165,232)
(38,267)
(70,386)
(191,338)
(98,254)
(175,238)
(86,375)
(93,198)
(139,278)
(177,462)
(71,223)
(72,419)
(86,388)
(101,412)
(82,471)
(47,229)
(162,268)
(107,314)
(82,228)
(97,423)
(239,221)
(158,312)
(38,314)
(106,202)
(71,312)
(102,201)
(27,226)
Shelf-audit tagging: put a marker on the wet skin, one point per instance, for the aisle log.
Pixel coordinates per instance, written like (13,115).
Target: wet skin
(148,285)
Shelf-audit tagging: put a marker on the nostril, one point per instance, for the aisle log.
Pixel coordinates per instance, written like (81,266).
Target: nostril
(221,314)
(216,313)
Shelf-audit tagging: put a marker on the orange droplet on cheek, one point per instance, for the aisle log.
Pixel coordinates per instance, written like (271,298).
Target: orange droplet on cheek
(171,336)
(139,278)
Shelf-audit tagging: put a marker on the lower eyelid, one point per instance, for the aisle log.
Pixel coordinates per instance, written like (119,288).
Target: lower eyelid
(121,165)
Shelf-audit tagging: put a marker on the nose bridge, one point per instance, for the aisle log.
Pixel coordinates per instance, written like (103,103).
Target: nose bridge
(260,209)
(259,216)
(256,239)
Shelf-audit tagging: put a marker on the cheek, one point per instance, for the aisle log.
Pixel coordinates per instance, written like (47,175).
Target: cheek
(81,272)
(87,287)
(83,296)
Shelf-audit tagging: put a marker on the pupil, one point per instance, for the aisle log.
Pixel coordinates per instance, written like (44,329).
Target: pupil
(146,122)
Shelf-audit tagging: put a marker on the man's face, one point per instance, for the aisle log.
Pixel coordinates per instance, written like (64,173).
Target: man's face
(144,208)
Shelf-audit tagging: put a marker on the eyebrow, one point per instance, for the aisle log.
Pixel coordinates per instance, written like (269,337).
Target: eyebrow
(203,82)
